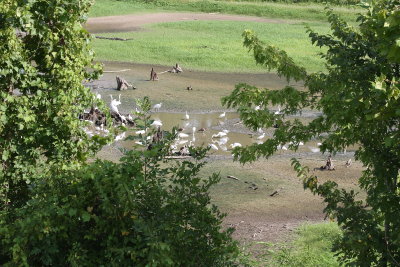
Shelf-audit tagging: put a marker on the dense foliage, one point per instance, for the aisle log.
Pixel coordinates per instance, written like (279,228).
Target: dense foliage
(359,98)
(44,57)
(143,211)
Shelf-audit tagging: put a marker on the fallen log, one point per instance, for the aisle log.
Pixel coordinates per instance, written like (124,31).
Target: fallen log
(114,71)
(178,157)
(276,192)
(112,38)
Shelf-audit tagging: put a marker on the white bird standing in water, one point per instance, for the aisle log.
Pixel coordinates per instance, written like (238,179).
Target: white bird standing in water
(222,115)
(156,123)
(212,146)
(183,135)
(186,116)
(261,136)
(235,145)
(218,135)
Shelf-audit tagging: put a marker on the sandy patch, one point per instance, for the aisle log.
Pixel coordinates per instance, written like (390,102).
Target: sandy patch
(126,23)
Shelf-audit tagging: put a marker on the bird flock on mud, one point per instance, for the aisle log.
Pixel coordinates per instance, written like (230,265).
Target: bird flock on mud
(219,141)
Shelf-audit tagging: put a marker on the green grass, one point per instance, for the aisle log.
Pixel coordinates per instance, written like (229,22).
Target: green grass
(311,247)
(304,11)
(210,45)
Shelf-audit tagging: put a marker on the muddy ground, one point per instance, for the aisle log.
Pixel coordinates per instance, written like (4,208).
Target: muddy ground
(255,214)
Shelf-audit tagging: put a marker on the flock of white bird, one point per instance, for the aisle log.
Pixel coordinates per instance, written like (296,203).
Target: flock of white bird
(219,141)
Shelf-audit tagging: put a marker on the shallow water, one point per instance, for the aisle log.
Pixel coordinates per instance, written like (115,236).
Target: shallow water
(213,124)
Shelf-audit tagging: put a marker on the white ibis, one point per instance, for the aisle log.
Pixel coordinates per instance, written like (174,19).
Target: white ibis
(235,145)
(222,115)
(157,106)
(183,135)
(156,123)
(218,135)
(213,147)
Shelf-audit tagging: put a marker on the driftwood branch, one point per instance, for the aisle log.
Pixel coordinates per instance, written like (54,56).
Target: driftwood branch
(114,71)
(112,38)
(232,177)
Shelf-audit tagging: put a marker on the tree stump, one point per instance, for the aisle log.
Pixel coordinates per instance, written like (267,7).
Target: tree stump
(122,84)
(176,69)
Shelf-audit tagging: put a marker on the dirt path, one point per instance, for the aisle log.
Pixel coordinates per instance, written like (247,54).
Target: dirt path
(125,23)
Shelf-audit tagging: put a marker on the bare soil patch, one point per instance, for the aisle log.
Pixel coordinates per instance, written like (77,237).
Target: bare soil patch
(127,23)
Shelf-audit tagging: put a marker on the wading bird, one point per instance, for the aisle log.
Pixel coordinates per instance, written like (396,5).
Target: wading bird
(157,106)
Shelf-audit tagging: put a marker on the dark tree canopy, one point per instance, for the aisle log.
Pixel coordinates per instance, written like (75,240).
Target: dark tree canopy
(359,98)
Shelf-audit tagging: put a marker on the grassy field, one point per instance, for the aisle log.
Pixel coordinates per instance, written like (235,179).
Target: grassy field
(210,45)
(304,11)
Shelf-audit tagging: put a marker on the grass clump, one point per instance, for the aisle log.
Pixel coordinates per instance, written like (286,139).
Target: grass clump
(301,11)
(210,45)
(311,247)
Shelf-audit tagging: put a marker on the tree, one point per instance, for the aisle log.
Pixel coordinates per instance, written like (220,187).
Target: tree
(359,99)
(44,58)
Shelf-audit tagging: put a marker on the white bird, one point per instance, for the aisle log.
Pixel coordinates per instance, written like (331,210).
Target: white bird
(218,135)
(130,117)
(225,131)
(193,137)
(319,144)
(114,105)
(235,145)
(141,132)
(139,143)
(294,143)
(257,108)
(186,116)
(314,149)
(278,112)
(223,140)
(98,96)
(156,123)
(183,135)
(212,146)
(180,142)
(222,115)
(282,147)
(123,119)
(157,106)
(223,147)
(261,136)
(120,136)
